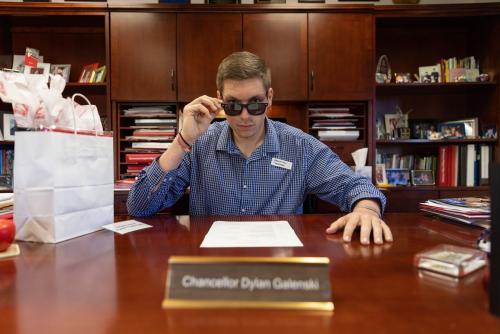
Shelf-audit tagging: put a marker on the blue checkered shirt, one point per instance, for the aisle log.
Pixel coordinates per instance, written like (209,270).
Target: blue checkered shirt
(223,182)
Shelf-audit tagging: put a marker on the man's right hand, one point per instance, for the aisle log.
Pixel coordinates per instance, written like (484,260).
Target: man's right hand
(197,116)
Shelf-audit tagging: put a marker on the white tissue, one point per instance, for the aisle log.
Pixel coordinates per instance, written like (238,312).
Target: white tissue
(360,156)
(37,105)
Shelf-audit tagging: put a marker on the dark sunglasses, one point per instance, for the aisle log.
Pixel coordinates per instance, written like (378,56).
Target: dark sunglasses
(253,108)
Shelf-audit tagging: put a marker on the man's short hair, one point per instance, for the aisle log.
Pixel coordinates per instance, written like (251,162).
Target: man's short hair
(243,65)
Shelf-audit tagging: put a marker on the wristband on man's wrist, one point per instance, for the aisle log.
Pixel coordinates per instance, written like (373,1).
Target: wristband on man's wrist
(183,143)
(369,208)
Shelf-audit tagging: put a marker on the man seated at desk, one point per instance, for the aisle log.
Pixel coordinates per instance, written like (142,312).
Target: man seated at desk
(250,164)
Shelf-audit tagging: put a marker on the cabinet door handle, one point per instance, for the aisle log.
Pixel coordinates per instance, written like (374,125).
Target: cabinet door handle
(312,81)
(172,84)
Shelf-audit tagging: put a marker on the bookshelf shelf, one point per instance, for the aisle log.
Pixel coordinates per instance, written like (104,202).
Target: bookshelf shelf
(438,188)
(424,88)
(433,142)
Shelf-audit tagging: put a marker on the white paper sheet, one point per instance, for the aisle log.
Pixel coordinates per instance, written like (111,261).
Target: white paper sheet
(251,234)
(126,226)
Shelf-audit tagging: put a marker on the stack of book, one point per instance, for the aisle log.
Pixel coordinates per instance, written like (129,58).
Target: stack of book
(6,205)
(124,185)
(469,210)
(334,123)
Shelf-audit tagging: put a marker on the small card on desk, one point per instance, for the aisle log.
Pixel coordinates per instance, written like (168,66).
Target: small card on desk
(126,226)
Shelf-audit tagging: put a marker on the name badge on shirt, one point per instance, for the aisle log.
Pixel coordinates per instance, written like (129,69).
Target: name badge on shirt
(281,163)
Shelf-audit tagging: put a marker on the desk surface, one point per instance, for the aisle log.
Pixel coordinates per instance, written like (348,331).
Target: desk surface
(110,283)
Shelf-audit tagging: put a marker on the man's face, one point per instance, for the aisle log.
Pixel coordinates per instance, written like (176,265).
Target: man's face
(246,127)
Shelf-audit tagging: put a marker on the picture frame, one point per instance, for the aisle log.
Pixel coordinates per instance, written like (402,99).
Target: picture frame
(9,127)
(471,126)
(61,69)
(41,68)
(86,73)
(18,63)
(489,131)
(393,122)
(422,177)
(398,176)
(420,128)
(380,175)
(429,74)
(452,130)
(100,74)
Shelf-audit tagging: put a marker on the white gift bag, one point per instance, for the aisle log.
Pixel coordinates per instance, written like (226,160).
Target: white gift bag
(63,184)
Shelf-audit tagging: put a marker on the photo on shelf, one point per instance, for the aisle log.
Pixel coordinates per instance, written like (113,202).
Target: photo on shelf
(422,177)
(489,131)
(452,130)
(421,128)
(393,122)
(398,177)
(100,74)
(9,126)
(471,126)
(87,73)
(380,175)
(41,68)
(61,69)
(18,63)
(429,74)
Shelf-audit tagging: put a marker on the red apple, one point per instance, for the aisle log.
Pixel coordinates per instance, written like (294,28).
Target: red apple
(7,233)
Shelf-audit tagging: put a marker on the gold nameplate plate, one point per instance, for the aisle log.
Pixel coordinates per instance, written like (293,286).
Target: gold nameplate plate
(300,283)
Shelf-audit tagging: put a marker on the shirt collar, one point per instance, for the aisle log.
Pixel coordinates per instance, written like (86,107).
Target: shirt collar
(271,141)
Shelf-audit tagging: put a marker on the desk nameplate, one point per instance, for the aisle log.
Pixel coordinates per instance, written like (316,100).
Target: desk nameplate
(300,283)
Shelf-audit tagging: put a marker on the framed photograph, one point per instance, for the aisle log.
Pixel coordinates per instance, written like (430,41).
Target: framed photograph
(380,175)
(471,126)
(86,73)
(18,63)
(489,131)
(61,69)
(9,126)
(100,74)
(398,177)
(420,128)
(452,130)
(393,122)
(41,68)
(422,177)
(430,74)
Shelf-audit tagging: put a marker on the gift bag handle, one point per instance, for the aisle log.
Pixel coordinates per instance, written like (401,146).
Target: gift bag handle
(73,107)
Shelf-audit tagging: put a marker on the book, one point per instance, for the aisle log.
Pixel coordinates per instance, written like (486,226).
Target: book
(150,145)
(469,210)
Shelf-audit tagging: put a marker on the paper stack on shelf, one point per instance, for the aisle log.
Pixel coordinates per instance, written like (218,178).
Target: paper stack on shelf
(334,123)
(469,210)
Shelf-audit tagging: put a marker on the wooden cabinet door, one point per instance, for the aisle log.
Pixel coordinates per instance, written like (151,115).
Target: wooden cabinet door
(203,40)
(143,56)
(281,40)
(341,53)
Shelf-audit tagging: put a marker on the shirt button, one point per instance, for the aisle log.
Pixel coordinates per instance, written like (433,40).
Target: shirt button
(170,179)
(244,186)
(243,210)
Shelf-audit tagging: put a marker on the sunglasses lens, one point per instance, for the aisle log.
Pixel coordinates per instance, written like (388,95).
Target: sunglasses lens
(232,109)
(256,108)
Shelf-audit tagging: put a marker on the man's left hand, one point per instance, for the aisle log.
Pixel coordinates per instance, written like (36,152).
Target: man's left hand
(368,222)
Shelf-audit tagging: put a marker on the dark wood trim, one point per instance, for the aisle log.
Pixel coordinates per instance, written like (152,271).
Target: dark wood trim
(52,8)
(244,8)
(473,9)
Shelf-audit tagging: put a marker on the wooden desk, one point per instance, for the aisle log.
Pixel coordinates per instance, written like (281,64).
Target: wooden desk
(107,283)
